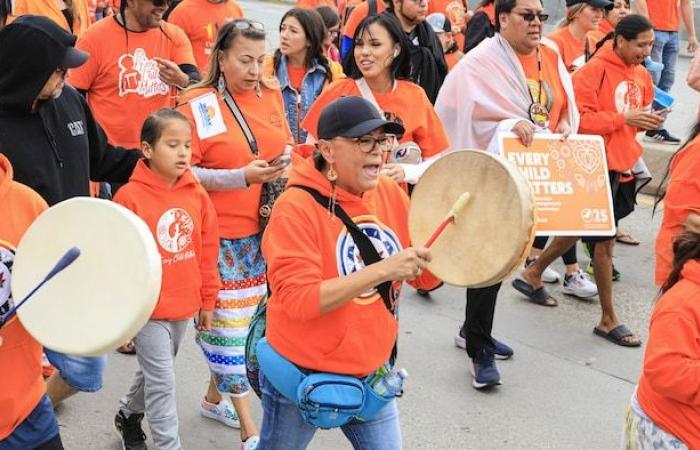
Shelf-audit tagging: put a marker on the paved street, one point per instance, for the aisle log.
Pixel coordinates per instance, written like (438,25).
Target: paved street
(564,389)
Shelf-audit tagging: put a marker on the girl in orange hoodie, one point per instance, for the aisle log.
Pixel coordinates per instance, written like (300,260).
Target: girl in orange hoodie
(614,94)
(164,193)
(665,409)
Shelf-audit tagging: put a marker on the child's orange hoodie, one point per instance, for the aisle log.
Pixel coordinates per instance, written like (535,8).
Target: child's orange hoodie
(22,385)
(304,245)
(605,89)
(183,222)
(669,388)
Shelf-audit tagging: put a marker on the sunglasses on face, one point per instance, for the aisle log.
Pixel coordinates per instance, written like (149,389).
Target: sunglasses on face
(159,3)
(530,17)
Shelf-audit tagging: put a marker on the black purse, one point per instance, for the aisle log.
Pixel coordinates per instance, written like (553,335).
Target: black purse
(270,190)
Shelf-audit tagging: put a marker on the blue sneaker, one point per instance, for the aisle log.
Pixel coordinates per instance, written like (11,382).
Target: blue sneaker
(499,349)
(484,370)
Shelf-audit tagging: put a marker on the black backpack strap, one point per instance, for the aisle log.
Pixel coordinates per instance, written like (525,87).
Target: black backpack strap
(367,251)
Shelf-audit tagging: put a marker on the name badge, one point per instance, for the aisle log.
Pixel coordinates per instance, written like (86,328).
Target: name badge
(207,116)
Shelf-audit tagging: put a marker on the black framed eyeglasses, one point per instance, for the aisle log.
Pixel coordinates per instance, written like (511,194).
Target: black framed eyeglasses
(368,144)
(530,17)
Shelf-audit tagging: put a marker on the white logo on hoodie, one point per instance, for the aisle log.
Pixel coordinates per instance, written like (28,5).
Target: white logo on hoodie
(174,230)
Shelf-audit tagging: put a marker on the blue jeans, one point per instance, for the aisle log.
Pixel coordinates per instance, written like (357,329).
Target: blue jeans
(37,429)
(82,373)
(283,427)
(665,51)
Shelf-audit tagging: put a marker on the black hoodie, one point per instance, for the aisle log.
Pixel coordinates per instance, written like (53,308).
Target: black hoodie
(57,148)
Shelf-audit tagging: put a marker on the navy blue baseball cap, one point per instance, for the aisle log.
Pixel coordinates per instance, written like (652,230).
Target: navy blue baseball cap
(41,31)
(603,4)
(353,117)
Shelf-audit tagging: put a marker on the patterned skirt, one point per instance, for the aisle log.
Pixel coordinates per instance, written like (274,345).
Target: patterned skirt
(242,271)
(641,433)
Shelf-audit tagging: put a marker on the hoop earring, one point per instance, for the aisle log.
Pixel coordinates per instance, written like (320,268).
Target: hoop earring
(221,84)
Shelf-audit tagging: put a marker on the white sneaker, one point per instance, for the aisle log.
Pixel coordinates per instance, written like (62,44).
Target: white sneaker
(223,412)
(579,285)
(548,276)
(251,443)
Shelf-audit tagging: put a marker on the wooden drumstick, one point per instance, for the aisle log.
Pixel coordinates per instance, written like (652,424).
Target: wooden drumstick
(456,209)
(65,261)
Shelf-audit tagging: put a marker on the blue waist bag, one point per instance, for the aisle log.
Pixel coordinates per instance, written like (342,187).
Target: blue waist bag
(325,400)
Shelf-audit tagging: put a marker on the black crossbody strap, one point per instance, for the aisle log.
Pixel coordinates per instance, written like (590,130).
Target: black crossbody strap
(367,251)
(231,103)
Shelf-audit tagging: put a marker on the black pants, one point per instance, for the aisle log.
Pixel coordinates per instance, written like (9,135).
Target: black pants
(569,257)
(478,320)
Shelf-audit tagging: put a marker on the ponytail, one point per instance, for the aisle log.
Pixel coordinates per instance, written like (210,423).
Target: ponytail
(686,246)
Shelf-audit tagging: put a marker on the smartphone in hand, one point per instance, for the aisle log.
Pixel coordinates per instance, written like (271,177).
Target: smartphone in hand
(281,161)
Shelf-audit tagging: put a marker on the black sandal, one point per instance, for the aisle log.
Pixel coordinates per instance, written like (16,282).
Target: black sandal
(539,296)
(617,336)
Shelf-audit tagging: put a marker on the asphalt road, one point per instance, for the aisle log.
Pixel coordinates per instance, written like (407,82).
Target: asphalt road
(564,389)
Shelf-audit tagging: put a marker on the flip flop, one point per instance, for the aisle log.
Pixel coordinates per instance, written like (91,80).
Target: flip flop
(127,349)
(617,335)
(625,238)
(539,296)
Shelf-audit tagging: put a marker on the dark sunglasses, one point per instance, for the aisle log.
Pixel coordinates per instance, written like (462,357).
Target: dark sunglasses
(530,17)
(159,3)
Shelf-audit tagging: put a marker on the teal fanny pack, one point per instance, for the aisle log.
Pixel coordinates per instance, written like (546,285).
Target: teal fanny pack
(325,400)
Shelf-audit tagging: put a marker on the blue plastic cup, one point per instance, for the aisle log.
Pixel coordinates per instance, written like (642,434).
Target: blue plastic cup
(663,98)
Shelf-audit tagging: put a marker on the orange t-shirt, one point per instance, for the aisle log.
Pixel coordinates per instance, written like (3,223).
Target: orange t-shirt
(553,94)
(312,4)
(20,355)
(49,8)
(407,103)
(303,245)
(183,222)
(201,20)
(664,14)
(668,387)
(237,210)
(605,89)
(358,14)
(682,198)
(572,50)
(121,77)
(455,11)
(296,76)
(452,59)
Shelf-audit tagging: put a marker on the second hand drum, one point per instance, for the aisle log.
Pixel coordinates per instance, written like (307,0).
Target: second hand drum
(492,232)
(101,300)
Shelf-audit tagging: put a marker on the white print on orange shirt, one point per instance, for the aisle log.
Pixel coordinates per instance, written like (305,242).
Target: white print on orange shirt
(174,230)
(211,30)
(7,258)
(456,13)
(140,75)
(628,97)
(348,254)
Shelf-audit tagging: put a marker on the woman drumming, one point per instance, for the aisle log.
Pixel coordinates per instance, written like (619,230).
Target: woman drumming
(325,313)
(301,66)
(232,170)
(572,39)
(377,70)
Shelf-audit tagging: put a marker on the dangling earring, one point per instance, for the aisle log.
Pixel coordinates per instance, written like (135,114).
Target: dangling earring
(332,176)
(221,84)
(258,91)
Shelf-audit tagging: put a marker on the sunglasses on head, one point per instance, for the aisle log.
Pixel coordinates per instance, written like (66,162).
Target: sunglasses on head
(530,17)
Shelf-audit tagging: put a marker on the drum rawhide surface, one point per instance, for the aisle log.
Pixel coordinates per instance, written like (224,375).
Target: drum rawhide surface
(491,235)
(106,296)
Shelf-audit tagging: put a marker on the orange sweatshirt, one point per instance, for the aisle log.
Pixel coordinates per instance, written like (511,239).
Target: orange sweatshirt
(682,198)
(605,89)
(303,245)
(20,355)
(183,222)
(571,49)
(669,388)
(49,8)
(604,28)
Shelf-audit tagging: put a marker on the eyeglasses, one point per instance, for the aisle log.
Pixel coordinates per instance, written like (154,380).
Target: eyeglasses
(530,17)
(368,143)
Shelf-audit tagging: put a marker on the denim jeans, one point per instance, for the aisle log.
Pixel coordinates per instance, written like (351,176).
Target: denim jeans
(82,373)
(283,427)
(39,430)
(665,51)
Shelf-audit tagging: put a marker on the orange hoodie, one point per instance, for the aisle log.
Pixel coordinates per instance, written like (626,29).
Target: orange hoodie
(682,197)
(571,49)
(20,355)
(604,28)
(303,245)
(605,89)
(183,222)
(669,388)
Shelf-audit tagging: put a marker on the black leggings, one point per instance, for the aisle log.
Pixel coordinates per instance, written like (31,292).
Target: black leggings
(478,320)
(569,257)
